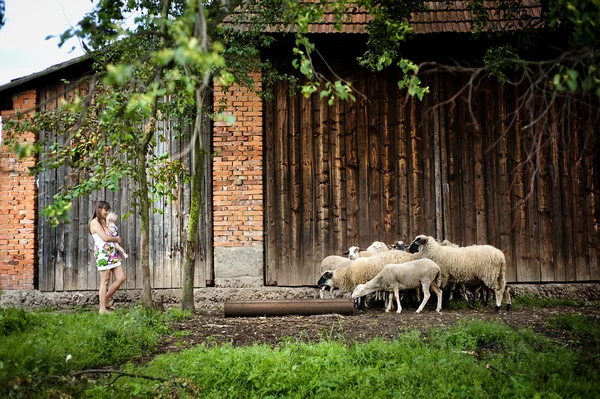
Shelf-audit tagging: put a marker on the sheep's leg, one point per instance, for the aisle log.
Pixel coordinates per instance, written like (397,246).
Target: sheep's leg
(507,297)
(397,295)
(426,296)
(331,293)
(389,303)
(321,293)
(499,295)
(438,292)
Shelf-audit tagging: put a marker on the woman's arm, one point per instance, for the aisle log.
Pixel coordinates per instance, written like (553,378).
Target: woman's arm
(95,227)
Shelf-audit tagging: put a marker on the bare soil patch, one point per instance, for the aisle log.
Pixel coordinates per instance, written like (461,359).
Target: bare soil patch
(215,329)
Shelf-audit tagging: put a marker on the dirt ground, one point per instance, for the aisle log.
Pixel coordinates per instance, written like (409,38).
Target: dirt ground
(216,329)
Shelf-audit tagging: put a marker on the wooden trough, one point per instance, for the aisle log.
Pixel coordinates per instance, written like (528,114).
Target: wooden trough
(284,307)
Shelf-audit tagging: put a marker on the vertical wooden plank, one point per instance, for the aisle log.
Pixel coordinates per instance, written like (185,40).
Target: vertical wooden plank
(491,168)
(374,168)
(403,129)
(438,149)
(479,172)
(455,215)
(388,189)
(520,229)
(295,244)
(363,183)
(592,193)
(467,158)
(415,155)
(272,272)
(557,198)
(425,132)
(338,199)
(282,182)
(322,176)
(532,245)
(308,165)
(82,243)
(544,200)
(582,272)
(504,186)
(352,173)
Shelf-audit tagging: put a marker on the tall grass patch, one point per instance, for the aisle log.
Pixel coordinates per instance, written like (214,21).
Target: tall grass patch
(475,359)
(36,345)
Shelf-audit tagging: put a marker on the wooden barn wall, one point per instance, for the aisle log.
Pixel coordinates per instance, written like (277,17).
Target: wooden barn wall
(388,168)
(65,253)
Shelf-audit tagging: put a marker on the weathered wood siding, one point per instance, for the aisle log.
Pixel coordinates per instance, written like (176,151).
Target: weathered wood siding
(390,167)
(65,253)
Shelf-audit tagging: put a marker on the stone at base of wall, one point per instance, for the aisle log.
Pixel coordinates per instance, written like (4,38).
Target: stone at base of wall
(211,300)
(238,266)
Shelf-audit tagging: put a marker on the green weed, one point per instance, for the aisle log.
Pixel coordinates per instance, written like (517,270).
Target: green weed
(528,300)
(474,359)
(38,345)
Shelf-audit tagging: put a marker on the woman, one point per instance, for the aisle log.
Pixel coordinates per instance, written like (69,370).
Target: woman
(107,258)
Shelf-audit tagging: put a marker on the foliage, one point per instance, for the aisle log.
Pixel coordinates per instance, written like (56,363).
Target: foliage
(35,346)
(528,300)
(583,328)
(474,359)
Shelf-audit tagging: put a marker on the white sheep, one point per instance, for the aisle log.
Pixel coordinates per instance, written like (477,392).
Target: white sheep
(376,247)
(467,265)
(332,262)
(362,270)
(420,273)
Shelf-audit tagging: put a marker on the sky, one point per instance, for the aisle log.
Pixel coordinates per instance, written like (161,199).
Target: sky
(23,46)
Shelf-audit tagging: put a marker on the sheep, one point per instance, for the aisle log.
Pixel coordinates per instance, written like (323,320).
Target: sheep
(470,264)
(373,249)
(332,262)
(362,270)
(420,273)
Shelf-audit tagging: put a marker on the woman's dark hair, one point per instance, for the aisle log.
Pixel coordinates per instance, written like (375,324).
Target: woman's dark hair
(99,205)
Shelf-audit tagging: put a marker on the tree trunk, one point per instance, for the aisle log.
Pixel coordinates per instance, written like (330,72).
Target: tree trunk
(187,291)
(145,217)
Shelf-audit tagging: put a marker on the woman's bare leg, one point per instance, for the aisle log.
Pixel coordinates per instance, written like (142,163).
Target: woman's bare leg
(119,278)
(104,279)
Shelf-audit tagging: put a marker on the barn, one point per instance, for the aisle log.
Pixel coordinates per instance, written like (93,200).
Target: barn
(295,179)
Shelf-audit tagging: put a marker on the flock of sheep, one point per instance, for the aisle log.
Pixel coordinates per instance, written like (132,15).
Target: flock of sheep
(426,265)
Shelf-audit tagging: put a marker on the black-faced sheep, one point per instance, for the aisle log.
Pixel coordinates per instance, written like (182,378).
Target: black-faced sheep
(467,265)
(332,262)
(420,273)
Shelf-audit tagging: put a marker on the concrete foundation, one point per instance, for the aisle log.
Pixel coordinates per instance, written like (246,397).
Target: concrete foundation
(229,274)
(213,299)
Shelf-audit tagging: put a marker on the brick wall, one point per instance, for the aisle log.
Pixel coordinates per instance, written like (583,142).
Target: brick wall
(238,169)
(17,210)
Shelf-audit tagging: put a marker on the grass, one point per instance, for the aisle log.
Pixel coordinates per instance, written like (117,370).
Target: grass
(35,345)
(41,352)
(472,360)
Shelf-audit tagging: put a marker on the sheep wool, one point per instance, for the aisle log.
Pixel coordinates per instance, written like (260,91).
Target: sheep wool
(420,273)
(483,263)
(362,270)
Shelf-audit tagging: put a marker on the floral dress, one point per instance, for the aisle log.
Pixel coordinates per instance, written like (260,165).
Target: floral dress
(105,253)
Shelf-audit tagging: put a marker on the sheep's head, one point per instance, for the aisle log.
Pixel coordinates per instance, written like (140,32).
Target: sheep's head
(324,280)
(354,252)
(359,291)
(399,245)
(417,243)
(377,246)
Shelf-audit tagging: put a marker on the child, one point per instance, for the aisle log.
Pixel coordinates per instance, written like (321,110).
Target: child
(111,219)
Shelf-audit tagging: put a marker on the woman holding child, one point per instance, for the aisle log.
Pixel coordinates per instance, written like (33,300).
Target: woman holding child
(107,257)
